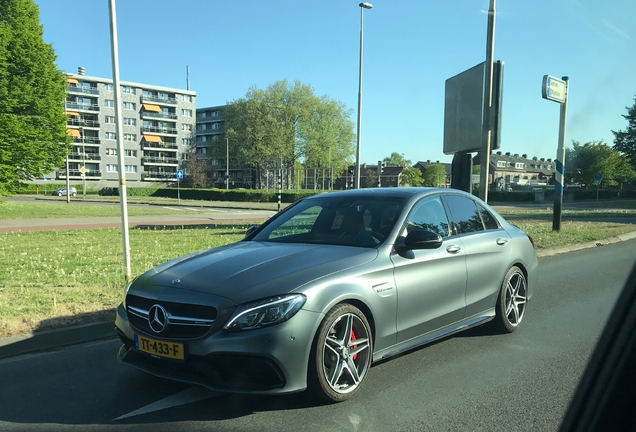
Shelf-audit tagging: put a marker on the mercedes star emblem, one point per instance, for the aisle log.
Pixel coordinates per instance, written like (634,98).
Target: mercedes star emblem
(157,318)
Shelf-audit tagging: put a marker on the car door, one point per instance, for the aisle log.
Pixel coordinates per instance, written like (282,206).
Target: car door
(487,249)
(431,284)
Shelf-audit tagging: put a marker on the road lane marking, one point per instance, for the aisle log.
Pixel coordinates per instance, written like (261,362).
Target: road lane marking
(193,394)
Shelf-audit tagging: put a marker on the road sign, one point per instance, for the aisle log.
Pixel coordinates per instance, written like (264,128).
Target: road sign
(553,89)
(83,170)
(598,177)
(179,174)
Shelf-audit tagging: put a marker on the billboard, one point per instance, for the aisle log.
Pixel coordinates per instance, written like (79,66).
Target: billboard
(464,109)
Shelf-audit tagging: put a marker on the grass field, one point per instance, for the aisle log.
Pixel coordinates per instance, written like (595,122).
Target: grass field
(54,278)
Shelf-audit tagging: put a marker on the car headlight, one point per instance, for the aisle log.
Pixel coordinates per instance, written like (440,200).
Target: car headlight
(266,312)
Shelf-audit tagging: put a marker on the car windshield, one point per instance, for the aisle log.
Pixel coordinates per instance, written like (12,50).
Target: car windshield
(344,221)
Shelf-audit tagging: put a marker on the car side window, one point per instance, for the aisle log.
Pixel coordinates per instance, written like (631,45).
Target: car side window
(430,215)
(490,222)
(465,214)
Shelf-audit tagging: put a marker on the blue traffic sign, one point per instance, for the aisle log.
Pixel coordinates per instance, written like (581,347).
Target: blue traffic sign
(179,174)
(597,177)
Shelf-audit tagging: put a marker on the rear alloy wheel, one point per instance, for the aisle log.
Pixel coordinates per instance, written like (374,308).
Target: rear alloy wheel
(342,354)
(513,298)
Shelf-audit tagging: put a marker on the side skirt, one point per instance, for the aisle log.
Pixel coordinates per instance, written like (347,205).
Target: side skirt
(427,338)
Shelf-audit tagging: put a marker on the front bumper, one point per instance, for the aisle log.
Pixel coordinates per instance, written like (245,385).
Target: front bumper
(271,360)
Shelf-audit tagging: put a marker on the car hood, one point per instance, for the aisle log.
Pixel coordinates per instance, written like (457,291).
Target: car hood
(247,271)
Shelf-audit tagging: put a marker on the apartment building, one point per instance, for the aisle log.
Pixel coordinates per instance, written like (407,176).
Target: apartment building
(158,129)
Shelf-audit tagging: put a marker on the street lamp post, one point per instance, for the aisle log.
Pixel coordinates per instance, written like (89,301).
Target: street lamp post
(81,131)
(227,163)
(363,6)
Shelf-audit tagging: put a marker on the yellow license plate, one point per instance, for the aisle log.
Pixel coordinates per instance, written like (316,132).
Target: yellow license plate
(171,350)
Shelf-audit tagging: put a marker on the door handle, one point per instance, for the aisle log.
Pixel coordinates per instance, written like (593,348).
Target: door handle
(502,241)
(453,249)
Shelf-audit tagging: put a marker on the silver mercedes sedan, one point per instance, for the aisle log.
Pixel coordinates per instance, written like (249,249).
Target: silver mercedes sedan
(335,282)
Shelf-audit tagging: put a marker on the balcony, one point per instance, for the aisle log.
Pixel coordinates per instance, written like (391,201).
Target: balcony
(153,160)
(159,145)
(150,114)
(157,99)
(88,141)
(82,107)
(82,90)
(84,157)
(76,174)
(83,123)
(160,176)
(157,129)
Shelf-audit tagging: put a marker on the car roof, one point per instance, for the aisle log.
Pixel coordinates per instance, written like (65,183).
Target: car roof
(401,192)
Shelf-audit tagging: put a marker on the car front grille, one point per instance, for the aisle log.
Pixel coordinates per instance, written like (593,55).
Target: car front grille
(182,320)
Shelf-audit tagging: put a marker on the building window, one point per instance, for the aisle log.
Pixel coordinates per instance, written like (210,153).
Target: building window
(202,150)
(109,103)
(108,87)
(130,153)
(519,165)
(131,168)
(186,141)
(130,121)
(130,137)
(186,127)
(111,152)
(501,164)
(130,105)
(110,119)
(202,139)
(110,136)
(186,112)
(127,89)
(186,98)
(111,168)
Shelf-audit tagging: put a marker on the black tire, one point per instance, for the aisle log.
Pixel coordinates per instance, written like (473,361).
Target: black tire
(341,355)
(73,194)
(512,301)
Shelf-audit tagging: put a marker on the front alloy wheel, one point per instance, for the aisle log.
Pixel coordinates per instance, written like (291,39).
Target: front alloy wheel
(342,353)
(513,298)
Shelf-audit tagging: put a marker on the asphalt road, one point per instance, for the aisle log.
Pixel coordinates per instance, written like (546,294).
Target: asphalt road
(474,381)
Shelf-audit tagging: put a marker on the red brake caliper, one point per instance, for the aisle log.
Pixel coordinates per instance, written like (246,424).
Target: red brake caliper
(353,337)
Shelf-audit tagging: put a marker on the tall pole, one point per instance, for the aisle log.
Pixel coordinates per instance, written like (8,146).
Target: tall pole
(81,131)
(227,163)
(363,6)
(120,144)
(486,130)
(560,163)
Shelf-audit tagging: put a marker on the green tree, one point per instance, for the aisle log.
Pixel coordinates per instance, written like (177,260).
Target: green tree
(435,175)
(33,139)
(396,159)
(625,140)
(583,162)
(411,177)
(290,123)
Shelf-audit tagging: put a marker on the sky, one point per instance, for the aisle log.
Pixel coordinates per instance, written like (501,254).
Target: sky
(411,47)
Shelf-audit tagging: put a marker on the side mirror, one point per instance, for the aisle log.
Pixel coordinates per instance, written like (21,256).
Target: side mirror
(421,239)
(251,230)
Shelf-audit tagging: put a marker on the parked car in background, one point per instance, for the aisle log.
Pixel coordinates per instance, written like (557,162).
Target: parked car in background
(62,191)
(336,281)
(108,191)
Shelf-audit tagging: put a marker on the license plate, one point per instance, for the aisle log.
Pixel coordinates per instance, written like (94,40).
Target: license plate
(171,350)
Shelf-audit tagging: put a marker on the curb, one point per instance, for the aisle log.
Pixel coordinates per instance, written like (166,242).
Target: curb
(51,339)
